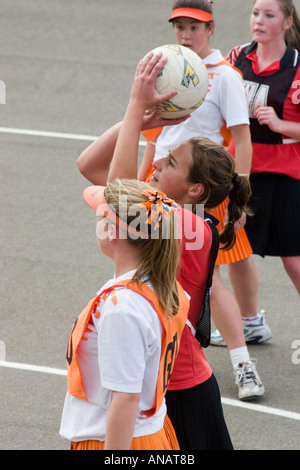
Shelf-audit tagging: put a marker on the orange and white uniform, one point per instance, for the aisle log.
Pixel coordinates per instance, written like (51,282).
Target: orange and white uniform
(225,105)
(128,345)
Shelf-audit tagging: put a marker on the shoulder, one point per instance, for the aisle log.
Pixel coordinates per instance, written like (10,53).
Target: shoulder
(124,299)
(196,235)
(191,221)
(230,87)
(222,71)
(123,310)
(236,51)
(228,73)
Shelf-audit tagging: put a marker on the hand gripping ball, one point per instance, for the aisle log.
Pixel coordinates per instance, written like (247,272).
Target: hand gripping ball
(185,72)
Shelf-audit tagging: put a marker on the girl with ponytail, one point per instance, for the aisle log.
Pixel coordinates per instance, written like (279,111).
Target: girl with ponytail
(123,345)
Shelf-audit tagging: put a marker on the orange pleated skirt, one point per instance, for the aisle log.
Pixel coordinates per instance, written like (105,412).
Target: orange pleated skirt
(165,439)
(241,249)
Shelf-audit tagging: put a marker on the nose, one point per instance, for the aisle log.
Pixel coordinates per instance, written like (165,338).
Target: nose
(158,164)
(258,18)
(186,33)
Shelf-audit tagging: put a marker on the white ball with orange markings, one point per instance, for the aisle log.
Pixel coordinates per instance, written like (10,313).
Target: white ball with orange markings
(186,73)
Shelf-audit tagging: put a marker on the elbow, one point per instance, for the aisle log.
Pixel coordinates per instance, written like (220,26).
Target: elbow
(81,164)
(95,174)
(86,169)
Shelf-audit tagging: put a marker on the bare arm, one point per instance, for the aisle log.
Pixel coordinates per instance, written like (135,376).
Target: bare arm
(94,162)
(243,148)
(124,163)
(121,420)
(147,160)
(243,159)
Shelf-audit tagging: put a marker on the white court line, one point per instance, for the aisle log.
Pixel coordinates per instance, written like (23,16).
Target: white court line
(33,368)
(55,135)
(225,401)
(261,408)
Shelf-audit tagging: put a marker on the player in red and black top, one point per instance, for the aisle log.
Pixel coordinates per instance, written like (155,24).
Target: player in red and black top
(271,71)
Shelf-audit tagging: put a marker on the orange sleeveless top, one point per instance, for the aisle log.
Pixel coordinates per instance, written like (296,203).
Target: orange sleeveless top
(172,328)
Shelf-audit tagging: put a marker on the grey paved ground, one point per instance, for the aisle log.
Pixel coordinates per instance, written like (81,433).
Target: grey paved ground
(67,66)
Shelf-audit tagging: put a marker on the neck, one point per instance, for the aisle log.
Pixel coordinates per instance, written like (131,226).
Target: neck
(269,53)
(125,257)
(205,52)
(185,201)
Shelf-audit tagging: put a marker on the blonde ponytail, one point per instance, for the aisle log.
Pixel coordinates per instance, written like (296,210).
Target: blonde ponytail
(159,250)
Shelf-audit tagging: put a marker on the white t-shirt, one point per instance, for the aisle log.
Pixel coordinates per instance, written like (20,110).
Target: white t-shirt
(225,104)
(122,353)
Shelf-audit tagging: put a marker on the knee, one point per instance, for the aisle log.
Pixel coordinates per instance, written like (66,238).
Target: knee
(292,266)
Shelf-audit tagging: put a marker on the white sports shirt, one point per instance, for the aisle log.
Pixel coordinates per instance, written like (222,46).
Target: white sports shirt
(225,104)
(122,353)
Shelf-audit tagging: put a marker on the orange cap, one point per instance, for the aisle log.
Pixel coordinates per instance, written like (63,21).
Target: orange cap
(95,198)
(194,13)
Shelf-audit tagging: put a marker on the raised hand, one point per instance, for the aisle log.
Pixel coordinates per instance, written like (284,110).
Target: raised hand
(143,92)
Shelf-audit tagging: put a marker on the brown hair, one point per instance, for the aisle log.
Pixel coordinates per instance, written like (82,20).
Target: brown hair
(214,167)
(160,254)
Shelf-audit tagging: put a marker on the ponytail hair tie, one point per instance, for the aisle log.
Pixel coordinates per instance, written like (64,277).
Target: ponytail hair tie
(158,206)
(234,178)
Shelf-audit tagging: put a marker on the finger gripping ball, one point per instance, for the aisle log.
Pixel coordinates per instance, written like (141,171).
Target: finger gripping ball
(184,72)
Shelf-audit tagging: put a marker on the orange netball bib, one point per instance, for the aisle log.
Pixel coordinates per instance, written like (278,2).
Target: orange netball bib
(171,334)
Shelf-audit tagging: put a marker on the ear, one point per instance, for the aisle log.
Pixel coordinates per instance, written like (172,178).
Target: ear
(210,29)
(195,190)
(288,23)
(112,232)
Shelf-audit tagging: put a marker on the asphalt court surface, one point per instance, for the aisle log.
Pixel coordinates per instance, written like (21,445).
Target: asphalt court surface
(67,69)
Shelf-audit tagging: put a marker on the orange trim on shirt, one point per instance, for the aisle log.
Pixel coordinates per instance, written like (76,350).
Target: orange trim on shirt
(226,134)
(171,335)
(150,134)
(225,62)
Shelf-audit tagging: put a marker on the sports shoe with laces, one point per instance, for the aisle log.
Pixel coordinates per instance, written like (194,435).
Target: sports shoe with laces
(248,381)
(254,333)
(257,332)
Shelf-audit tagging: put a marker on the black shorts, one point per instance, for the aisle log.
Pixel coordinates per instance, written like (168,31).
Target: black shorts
(274,229)
(197,417)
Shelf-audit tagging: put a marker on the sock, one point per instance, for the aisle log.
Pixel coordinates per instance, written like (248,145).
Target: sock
(252,320)
(239,355)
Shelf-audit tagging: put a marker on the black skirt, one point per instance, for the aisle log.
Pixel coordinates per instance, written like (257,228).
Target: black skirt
(274,228)
(197,417)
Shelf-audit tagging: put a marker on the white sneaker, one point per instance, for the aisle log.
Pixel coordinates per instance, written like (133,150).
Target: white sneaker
(216,339)
(254,333)
(248,381)
(257,332)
